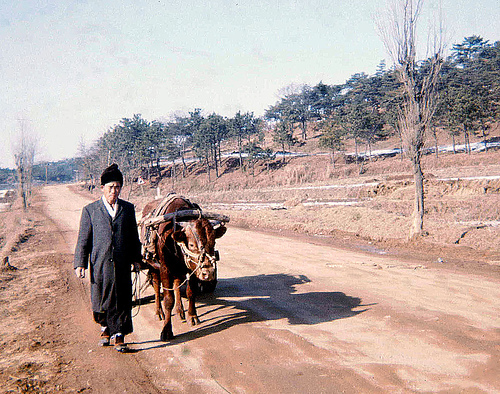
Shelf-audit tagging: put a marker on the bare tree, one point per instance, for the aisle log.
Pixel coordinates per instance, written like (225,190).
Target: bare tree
(418,87)
(24,148)
(89,164)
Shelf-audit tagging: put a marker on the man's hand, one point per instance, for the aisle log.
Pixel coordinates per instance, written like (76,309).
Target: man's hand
(80,272)
(136,267)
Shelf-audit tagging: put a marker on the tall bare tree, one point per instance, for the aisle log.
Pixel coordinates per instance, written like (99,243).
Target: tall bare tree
(89,163)
(418,82)
(24,148)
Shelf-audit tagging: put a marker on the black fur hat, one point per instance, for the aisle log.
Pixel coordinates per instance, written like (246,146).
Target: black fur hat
(111,174)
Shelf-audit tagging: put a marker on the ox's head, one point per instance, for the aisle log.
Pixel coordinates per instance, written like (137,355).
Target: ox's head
(196,239)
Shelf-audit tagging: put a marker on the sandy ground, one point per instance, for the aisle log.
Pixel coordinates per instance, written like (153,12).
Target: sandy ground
(288,316)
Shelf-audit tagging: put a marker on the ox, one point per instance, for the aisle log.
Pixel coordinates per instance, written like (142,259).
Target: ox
(179,246)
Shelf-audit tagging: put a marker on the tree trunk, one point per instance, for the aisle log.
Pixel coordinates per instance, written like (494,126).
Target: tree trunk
(158,167)
(216,162)
(173,175)
(484,139)
(22,184)
(356,148)
(467,139)
(401,147)
(436,146)
(361,167)
(208,169)
(184,166)
(361,162)
(418,210)
(219,153)
(240,143)
(22,189)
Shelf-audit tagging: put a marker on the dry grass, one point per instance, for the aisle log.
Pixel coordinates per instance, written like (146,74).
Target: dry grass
(384,195)
(15,227)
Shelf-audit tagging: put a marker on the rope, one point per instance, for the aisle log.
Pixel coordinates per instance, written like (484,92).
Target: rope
(136,284)
(136,291)
(188,276)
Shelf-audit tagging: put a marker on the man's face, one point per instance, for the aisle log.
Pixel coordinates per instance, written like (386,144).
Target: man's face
(111,191)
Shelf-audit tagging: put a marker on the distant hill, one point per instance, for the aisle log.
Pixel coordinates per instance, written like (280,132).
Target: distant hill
(62,171)
(7,176)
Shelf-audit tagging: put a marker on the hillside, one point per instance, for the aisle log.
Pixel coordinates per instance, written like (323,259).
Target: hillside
(308,196)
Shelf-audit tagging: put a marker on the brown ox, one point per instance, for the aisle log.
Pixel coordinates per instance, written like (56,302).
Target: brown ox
(184,252)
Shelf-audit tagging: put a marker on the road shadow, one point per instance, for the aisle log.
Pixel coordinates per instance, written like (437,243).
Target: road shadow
(263,298)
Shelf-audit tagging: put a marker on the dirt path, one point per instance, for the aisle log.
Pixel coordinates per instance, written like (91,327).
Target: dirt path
(292,317)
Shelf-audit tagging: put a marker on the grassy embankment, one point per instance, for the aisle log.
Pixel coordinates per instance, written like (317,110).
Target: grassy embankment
(461,214)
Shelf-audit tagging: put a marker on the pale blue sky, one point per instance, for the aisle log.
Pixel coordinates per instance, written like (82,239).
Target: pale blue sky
(73,68)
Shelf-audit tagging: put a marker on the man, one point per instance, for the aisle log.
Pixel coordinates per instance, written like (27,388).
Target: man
(109,239)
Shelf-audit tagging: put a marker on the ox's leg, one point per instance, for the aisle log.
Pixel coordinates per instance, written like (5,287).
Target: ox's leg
(179,308)
(155,275)
(168,303)
(191,296)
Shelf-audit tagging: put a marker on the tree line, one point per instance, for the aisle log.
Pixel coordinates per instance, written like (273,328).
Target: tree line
(137,144)
(61,171)
(364,109)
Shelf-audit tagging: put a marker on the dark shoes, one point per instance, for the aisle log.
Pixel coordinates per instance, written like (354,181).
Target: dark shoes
(104,340)
(120,345)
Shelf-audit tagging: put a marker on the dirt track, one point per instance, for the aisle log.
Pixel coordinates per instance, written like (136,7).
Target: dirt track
(293,317)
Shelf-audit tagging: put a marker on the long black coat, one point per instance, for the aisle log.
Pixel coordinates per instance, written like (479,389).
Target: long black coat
(111,246)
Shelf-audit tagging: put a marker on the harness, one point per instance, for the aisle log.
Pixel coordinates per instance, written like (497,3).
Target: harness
(196,258)
(149,236)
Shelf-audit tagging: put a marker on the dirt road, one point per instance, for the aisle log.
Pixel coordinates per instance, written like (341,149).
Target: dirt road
(294,317)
